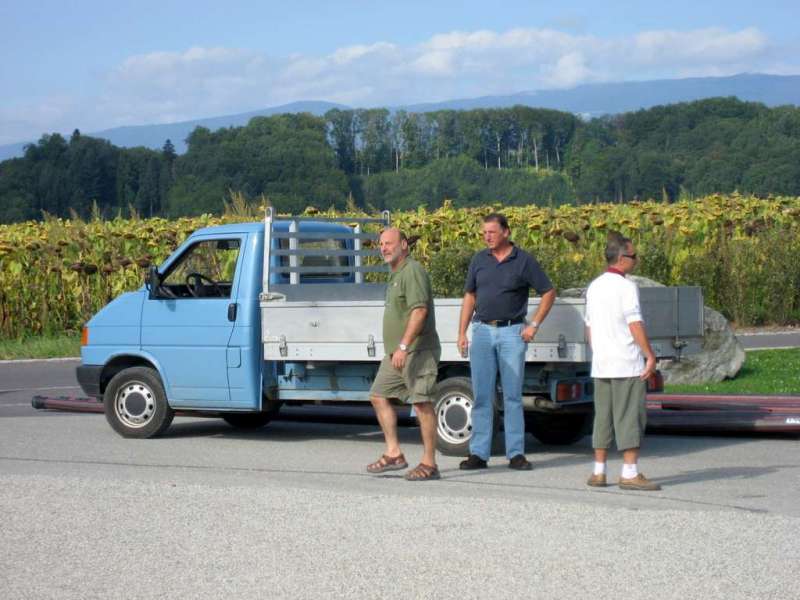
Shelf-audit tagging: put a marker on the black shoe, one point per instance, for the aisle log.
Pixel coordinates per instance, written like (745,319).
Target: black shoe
(473,462)
(520,463)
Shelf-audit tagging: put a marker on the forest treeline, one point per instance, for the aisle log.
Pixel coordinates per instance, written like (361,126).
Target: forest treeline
(379,159)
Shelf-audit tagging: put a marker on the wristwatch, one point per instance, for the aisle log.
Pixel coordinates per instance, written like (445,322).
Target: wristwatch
(533,324)
(403,347)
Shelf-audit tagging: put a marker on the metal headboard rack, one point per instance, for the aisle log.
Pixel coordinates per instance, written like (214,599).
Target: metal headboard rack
(294,234)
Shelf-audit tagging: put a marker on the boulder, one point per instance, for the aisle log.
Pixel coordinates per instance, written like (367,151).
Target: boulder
(721,357)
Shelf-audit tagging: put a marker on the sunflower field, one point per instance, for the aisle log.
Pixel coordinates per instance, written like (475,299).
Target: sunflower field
(744,251)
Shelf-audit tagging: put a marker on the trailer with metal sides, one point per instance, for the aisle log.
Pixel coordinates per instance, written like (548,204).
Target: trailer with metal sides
(326,342)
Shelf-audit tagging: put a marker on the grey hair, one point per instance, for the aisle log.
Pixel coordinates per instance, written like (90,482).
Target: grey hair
(403,237)
(615,246)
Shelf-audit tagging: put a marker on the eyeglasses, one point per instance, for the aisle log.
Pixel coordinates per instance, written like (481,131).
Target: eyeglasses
(631,256)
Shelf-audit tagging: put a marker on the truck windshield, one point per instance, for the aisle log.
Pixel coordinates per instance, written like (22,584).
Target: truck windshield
(205,270)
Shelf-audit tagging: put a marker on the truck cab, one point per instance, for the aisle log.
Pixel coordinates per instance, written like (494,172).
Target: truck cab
(190,337)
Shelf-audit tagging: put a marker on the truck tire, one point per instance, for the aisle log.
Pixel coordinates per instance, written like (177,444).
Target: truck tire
(453,408)
(557,430)
(136,404)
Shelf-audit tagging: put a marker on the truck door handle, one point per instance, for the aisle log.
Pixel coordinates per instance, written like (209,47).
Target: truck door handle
(232,311)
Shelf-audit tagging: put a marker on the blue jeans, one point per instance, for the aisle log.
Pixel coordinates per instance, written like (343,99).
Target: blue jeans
(496,349)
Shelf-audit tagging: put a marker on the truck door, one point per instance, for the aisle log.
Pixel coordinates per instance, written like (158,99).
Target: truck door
(187,327)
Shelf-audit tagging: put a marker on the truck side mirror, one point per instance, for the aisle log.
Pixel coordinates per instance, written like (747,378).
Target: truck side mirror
(153,282)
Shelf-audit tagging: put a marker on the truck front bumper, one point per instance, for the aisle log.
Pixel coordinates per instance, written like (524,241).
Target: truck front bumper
(89,379)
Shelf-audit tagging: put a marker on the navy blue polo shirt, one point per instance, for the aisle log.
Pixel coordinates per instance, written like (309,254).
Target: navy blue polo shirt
(502,288)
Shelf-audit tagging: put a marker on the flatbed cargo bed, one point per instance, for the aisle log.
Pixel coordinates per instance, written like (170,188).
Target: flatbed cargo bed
(351,330)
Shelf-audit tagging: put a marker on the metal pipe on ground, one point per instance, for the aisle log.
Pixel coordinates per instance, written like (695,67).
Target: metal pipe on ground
(666,413)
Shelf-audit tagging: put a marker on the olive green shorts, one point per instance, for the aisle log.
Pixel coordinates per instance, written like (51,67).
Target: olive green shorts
(619,412)
(414,384)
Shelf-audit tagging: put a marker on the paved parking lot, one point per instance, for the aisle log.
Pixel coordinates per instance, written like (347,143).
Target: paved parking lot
(288,512)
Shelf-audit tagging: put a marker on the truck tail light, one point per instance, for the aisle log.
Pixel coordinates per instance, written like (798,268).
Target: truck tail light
(568,391)
(655,383)
(85,336)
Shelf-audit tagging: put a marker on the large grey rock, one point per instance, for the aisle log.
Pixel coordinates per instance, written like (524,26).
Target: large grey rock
(721,357)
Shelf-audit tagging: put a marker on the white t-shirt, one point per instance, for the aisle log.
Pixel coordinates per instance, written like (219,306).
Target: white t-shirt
(612,303)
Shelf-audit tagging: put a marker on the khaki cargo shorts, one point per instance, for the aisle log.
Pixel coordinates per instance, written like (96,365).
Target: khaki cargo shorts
(619,412)
(414,384)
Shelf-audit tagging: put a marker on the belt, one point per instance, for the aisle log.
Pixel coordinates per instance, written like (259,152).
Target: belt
(504,322)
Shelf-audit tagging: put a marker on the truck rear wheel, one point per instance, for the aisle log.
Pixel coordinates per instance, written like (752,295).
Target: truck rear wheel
(557,430)
(454,415)
(453,406)
(136,404)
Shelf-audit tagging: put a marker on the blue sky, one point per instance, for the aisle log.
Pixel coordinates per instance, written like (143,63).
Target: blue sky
(95,65)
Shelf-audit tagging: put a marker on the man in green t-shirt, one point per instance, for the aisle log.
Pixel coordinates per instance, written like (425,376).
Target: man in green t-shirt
(409,368)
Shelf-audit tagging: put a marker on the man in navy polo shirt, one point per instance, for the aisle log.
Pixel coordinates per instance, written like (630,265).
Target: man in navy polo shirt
(496,302)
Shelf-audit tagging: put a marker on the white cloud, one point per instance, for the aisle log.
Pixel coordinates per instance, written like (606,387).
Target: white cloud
(437,62)
(344,56)
(711,47)
(569,70)
(163,87)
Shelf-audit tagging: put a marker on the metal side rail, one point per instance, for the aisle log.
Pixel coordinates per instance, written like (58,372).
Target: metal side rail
(721,413)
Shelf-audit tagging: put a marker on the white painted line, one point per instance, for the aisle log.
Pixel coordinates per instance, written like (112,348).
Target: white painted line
(771,348)
(37,389)
(755,333)
(33,360)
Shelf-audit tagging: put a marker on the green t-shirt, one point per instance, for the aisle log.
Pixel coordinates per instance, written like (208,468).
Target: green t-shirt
(409,287)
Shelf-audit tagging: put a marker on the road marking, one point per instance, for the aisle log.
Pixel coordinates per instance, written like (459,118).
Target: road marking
(771,348)
(38,389)
(33,360)
(755,333)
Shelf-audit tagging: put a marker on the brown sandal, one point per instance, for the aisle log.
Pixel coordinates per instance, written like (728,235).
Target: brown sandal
(388,463)
(423,472)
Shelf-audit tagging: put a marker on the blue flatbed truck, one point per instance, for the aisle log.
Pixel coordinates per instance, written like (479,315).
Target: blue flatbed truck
(244,318)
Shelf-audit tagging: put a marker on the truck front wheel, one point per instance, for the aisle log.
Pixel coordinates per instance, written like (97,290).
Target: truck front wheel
(136,404)
(557,430)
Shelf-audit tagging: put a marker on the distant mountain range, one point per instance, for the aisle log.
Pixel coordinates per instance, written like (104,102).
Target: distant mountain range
(589,100)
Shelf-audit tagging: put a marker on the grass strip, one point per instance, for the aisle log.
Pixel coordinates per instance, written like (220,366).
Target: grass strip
(763,372)
(56,346)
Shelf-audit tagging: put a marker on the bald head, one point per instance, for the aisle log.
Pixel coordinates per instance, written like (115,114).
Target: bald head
(394,246)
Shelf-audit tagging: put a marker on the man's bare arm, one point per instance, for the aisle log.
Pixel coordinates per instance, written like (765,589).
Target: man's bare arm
(545,304)
(640,337)
(467,310)
(416,321)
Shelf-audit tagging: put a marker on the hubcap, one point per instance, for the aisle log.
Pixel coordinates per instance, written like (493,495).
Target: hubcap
(453,418)
(135,404)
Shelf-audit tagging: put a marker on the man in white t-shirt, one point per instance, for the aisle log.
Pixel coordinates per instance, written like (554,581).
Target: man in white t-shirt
(622,361)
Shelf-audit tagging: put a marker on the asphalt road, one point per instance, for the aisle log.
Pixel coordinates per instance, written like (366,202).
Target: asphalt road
(754,340)
(288,512)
